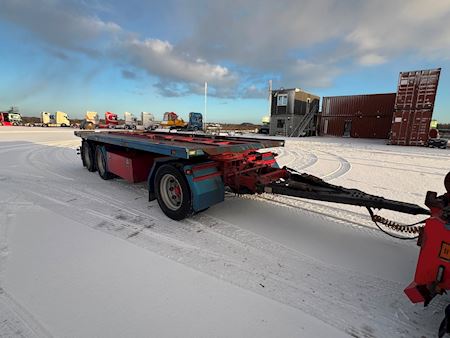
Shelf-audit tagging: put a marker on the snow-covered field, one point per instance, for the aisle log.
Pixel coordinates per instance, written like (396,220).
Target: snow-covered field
(83,257)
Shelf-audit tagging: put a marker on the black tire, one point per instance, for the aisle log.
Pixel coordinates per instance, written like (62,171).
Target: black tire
(88,156)
(102,164)
(163,176)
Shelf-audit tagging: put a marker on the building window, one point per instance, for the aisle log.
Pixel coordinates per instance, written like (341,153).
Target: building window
(280,123)
(282,100)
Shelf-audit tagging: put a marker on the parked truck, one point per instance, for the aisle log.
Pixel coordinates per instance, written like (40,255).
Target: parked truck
(111,121)
(130,121)
(58,119)
(4,119)
(91,120)
(15,119)
(148,121)
(10,119)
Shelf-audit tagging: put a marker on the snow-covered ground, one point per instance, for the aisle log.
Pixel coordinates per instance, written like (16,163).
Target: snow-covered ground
(83,257)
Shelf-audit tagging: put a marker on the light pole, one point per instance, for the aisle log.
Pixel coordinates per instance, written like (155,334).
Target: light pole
(206,101)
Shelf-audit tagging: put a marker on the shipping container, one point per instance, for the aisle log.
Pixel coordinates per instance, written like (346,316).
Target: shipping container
(414,107)
(363,116)
(410,127)
(417,89)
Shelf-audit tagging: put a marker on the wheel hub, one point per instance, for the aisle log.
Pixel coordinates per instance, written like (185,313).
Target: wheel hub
(171,192)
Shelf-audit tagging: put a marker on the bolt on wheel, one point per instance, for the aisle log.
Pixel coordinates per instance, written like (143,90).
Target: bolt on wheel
(171,192)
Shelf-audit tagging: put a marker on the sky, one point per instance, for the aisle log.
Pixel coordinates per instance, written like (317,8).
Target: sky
(154,56)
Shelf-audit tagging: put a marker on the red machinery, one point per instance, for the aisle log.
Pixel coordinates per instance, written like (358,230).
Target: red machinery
(432,275)
(4,119)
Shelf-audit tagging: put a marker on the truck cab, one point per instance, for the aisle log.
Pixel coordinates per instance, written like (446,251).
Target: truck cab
(58,119)
(148,121)
(47,118)
(91,120)
(111,119)
(195,121)
(4,119)
(130,121)
(62,119)
(15,119)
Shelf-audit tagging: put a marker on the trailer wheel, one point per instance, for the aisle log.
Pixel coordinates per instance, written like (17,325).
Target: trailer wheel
(101,162)
(172,192)
(88,156)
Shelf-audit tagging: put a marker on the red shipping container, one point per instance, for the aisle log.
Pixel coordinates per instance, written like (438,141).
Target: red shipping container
(410,127)
(417,89)
(414,107)
(365,116)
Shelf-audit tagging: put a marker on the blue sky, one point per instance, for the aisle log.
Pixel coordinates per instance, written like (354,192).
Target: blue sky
(78,55)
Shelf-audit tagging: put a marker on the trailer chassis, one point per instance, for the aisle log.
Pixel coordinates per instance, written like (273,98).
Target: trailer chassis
(187,174)
(193,171)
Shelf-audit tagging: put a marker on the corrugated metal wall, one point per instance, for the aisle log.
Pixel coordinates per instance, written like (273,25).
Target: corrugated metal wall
(365,116)
(414,106)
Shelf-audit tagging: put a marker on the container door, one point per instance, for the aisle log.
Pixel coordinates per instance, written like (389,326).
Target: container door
(347,128)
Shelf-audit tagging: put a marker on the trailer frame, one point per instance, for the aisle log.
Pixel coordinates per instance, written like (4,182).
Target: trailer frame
(201,167)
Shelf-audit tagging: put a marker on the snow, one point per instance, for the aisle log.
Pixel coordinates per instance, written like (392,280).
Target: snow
(103,286)
(80,256)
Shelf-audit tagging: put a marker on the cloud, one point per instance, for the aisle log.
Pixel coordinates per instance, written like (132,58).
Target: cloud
(311,42)
(177,73)
(371,59)
(387,29)
(236,46)
(66,25)
(254,92)
(127,74)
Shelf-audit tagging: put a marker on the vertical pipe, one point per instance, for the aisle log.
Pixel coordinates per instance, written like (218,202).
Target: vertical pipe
(204,112)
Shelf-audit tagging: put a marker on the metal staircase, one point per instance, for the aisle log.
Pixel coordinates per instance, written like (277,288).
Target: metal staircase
(297,131)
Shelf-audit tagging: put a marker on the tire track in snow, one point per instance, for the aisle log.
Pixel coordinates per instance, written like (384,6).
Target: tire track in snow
(344,167)
(247,260)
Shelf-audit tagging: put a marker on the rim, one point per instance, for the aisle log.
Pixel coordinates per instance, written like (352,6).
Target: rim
(100,162)
(87,158)
(171,192)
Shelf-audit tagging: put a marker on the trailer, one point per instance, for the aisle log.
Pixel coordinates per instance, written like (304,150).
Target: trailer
(188,173)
